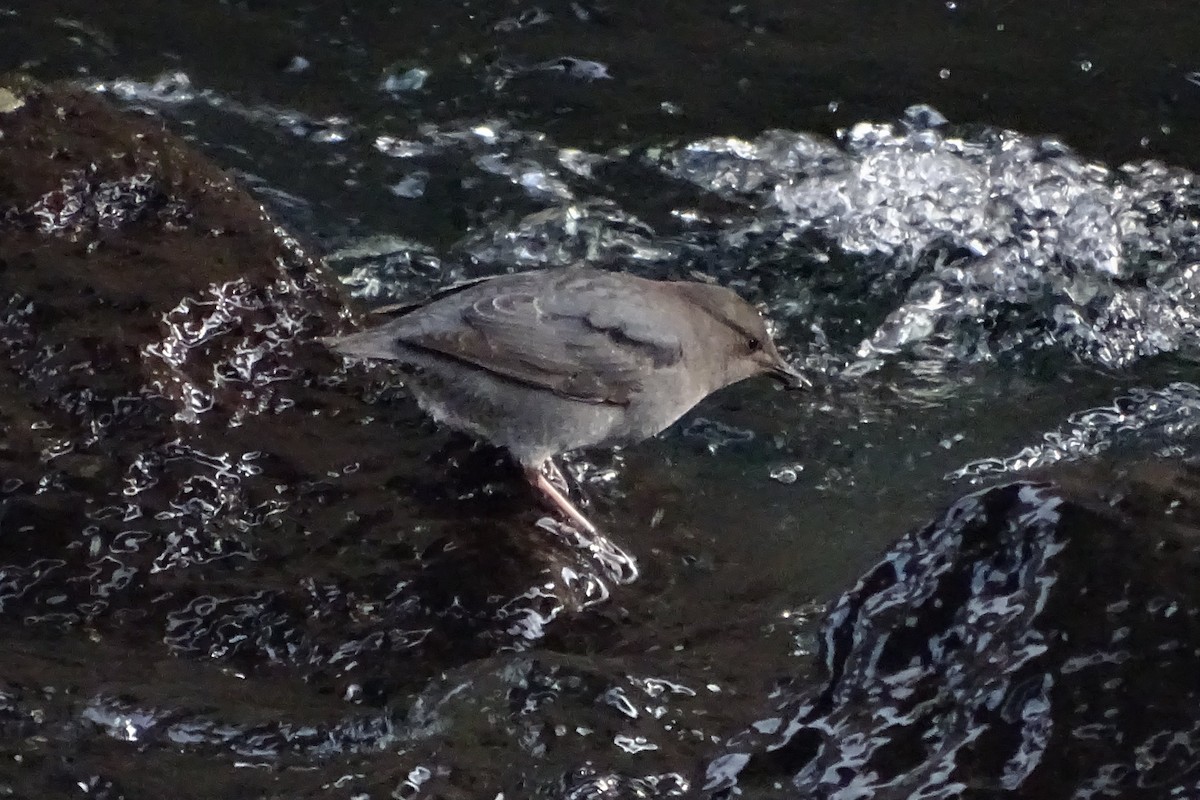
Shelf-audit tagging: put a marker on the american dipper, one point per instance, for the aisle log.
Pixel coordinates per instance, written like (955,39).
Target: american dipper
(552,360)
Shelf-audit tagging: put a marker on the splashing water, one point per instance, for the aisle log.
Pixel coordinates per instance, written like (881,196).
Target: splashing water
(1170,415)
(995,242)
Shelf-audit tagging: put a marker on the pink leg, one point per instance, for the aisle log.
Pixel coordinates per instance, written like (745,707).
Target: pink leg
(550,470)
(557,499)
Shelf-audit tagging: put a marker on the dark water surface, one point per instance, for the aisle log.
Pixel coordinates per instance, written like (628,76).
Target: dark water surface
(231,566)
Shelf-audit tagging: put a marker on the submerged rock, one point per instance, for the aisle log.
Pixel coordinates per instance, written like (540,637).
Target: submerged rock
(1037,640)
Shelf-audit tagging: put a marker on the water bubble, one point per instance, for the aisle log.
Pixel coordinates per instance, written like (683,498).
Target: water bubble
(410,80)
(400,148)
(633,744)
(526,19)
(922,116)
(298,64)
(410,186)
(788,474)
(577,68)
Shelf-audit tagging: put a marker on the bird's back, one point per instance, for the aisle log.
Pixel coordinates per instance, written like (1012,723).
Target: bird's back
(584,334)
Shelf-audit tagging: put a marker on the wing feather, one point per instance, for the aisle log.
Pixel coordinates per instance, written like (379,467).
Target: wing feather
(582,335)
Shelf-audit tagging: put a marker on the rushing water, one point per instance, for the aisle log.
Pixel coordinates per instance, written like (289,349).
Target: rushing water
(229,563)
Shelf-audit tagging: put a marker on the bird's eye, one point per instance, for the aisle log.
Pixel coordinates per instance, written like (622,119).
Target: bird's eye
(753,344)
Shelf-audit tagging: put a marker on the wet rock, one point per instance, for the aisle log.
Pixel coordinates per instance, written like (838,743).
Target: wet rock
(133,264)
(1037,640)
(185,475)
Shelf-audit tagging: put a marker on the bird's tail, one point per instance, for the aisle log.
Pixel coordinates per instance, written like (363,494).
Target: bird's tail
(364,344)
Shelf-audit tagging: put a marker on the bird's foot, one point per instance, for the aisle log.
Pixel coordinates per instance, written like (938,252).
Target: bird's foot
(555,475)
(558,499)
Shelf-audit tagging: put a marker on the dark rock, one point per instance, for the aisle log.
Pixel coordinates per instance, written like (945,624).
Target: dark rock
(193,496)
(1035,641)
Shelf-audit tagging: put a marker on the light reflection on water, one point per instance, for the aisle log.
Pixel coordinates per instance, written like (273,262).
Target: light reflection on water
(918,271)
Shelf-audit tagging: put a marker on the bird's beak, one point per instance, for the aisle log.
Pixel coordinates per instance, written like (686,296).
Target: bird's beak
(786,374)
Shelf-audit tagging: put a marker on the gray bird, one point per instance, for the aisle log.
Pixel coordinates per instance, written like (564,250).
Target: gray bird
(552,360)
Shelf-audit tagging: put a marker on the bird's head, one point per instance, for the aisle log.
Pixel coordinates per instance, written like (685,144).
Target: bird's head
(739,340)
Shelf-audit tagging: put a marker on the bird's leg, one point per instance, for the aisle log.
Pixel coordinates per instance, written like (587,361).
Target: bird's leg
(551,470)
(557,499)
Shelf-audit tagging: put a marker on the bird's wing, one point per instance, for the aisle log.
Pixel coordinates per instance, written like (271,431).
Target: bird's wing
(584,337)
